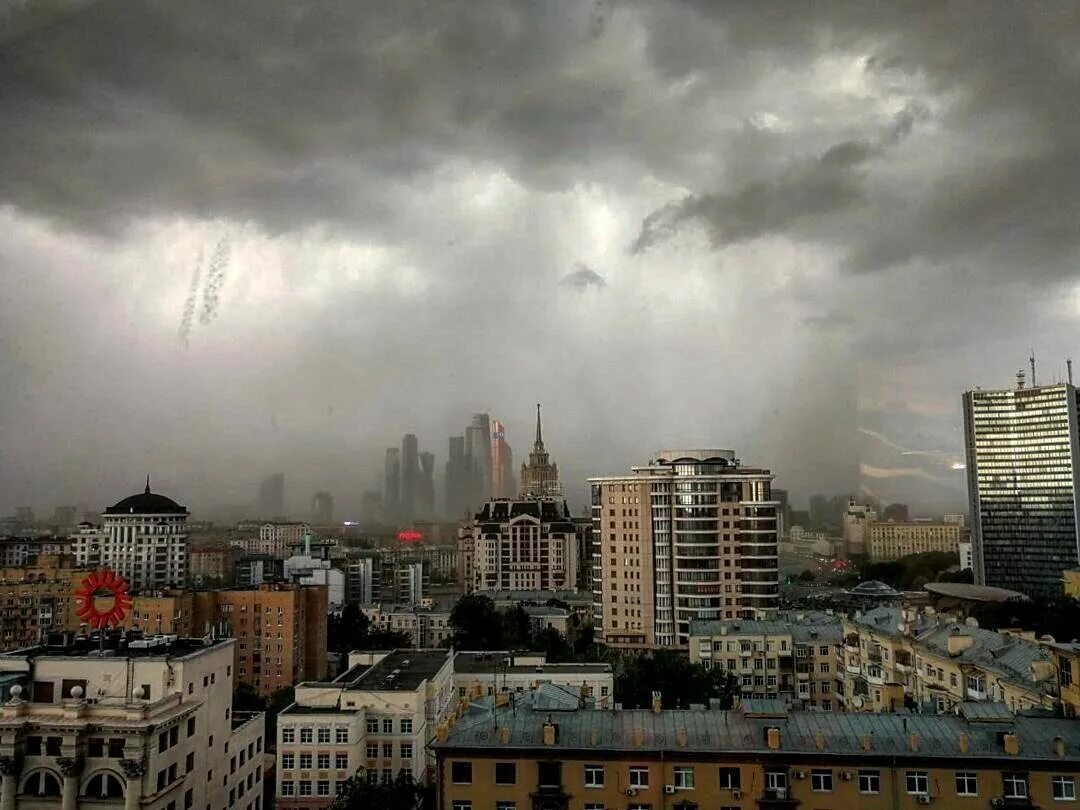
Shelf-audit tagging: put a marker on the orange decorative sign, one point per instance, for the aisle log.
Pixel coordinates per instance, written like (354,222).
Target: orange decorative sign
(102,583)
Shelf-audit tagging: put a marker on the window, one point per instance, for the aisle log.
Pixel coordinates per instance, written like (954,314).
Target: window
(917,783)
(387,725)
(387,775)
(306,735)
(305,789)
(776,780)
(505,806)
(406,726)
(461,773)
(190,726)
(594,776)
(288,734)
(1014,784)
(406,750)
(549,774)
(322,788)
(639,776)
(594,806)
(305,761)
(387,750)
(869,782)
(288,788)
(287,761)
(730,779)
(341,735)
(820,780)
(460,804)
(324,736)
(323,761)
(189,763)
(684,777)
(372,750)
(505,773)
(967,783)
(104,786)
(341,761)
(372,725)
(1064,788)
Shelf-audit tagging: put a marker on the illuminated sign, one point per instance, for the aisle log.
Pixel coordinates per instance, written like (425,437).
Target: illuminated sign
(409,536)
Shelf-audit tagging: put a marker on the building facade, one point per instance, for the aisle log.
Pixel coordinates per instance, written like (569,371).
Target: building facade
(148,727)
(521,545)
(893,540)
(1023,445)
(502,463)
(37,599)
(792,657)
(144,540)
(693,535)
(760,756)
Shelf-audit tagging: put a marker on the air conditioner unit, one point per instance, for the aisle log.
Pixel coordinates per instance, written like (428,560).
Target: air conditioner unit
(781,793)
(736,794)
(669,789)
(845,776)
(924,799)
(631,791)
(800,774)
(997,802)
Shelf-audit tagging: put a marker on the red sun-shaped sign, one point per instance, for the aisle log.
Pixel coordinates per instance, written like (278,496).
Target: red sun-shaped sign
(102,584)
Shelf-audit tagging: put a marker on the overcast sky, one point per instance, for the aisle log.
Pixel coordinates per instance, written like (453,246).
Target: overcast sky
(254,236)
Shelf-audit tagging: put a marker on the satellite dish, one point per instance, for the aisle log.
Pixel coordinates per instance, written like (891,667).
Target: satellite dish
(857,701)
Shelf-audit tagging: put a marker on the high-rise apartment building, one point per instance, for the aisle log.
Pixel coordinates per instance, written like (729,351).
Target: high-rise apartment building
(692,535)
(392,486)
(540,475)
(502,463)
(36,599)
(425,502)
(857,520)
(521,545)
(1022,458)
(271,504)
(144,540)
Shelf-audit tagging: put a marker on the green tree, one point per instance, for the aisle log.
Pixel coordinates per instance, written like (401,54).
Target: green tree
(679,681)
(247,699)
(401,794)
(476,624)
(517,630)
(807,576)
(278,701)
(553,644)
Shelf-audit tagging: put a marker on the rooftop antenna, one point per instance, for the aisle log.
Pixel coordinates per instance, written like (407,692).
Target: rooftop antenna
(1031,359)
(1068,367)
(1020,380)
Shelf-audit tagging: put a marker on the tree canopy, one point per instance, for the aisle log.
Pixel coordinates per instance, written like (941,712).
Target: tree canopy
(352,630)
(679,681)
(403,793)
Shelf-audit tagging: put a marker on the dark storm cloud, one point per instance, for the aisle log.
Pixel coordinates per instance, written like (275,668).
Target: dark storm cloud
(404,184)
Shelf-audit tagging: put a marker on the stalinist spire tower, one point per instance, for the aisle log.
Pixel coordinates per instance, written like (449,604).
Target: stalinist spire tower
(540,476)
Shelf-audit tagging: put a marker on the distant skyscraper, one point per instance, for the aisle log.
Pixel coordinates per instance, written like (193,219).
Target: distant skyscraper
(456,479)
(426,493)
(392,486)
(502,463)
(272,497)
(692,535)
(1022,458)
(24,515)
(322,507)
(540,476)
(410,477)
(478,451)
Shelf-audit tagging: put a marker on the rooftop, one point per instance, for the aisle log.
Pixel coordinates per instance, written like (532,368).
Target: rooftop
(543,509)
(802,626)
(974,593)
(714,731)
(486,662)
(66,645)
(400,671)
(146,503)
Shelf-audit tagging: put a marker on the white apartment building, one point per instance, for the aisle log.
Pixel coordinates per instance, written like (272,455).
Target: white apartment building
(425,626)
(147,726)
(378,715)
(143,539)
(274,539)
(521,545)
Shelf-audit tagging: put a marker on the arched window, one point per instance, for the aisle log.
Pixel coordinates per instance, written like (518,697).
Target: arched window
(104,785)
(42,783)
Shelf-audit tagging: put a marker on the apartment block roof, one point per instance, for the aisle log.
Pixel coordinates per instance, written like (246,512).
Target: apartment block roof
(903,737)
(401,670)
(812,626)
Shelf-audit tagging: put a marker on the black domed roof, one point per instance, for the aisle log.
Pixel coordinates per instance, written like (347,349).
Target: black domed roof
(147,503)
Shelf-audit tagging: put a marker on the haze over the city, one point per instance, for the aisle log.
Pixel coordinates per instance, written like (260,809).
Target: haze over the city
(245,237)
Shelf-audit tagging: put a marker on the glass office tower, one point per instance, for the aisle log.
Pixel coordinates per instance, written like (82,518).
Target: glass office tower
(1022,453)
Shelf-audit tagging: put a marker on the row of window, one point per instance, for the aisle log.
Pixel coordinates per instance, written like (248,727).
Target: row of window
(288,761)
(966,783)
(308,734)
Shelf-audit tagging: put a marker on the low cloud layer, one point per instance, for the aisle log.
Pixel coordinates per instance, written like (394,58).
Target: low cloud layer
(255,236)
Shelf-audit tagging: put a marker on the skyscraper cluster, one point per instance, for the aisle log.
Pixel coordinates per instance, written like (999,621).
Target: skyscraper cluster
(480,466)
(408,482)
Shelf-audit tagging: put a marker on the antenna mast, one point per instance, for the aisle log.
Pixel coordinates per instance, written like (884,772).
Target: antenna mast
(1031,360)
(1068,366)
